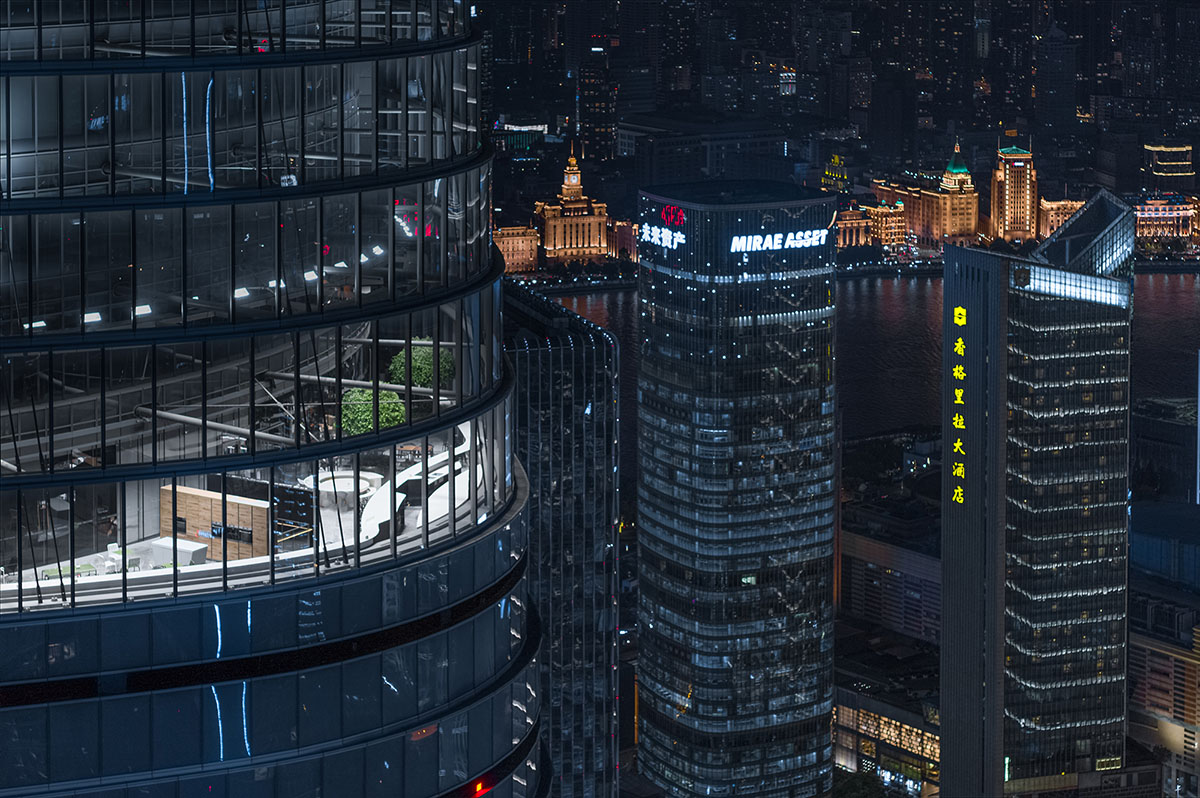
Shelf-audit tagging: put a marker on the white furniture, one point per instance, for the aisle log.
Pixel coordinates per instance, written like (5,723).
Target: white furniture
(190,552)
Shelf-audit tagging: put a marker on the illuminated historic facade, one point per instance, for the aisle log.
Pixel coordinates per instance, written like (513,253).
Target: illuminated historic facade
(576,228)
(1014,196)
(519,246)
(853,227)
(1053,214)
(937,211)
(1035,490)
(872,224)
(1164,216)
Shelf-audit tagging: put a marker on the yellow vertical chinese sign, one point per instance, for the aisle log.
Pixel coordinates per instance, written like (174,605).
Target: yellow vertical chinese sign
(958,422)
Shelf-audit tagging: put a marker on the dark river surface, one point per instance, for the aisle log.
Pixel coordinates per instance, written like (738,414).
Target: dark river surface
(889,350)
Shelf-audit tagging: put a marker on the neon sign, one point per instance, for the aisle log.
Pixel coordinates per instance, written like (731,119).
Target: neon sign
(800,239)
(673,216)
(958,468)
(662,237)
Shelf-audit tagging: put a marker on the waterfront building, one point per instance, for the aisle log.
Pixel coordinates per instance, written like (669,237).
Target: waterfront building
(853,227)
(574,228)
(261,527)
(1053,214)
(1164,216)
(1035,497)
(938,210)
(519,247)
(867,223)
(1014,208)
(566,431)
(888,224)
(738,489)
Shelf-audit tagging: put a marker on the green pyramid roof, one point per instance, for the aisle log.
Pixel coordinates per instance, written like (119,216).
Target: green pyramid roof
(956,164)
(1014,151)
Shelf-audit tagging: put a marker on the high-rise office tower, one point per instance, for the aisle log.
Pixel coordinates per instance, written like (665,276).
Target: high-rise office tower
(566,425)
(588,24)
(1054,83)
(261,528)
(1035,508)
(1014,195)
(679,23)
(737,448)
(597,112)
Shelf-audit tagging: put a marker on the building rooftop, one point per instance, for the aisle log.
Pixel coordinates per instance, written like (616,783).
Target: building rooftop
(1180,411)
(1070,247)
(694,123)
(956,164)
(890,667)
(725,193)
(1014,151)
(1178,520)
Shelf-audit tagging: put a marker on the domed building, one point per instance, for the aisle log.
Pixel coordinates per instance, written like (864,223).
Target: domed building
(939,211)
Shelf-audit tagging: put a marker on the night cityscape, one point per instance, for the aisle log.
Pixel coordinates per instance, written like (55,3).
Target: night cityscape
(599,398)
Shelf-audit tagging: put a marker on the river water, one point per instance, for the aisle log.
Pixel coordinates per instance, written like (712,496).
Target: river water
(889,349)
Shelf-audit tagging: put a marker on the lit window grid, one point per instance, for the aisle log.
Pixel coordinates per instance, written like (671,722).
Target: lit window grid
(1066,624)
(106,32)
(192,266)
(686,512)
(221,726)
(192,133)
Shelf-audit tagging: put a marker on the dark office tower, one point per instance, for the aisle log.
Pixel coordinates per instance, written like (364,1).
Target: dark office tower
(1142,40)
(1054,83)
(736,499)
(261,527)
(588,24)
(1090,24)
(1185,74)
(515,32)
(566,425)
(679,26)
(1010,71)
(597,105)
(1035,508)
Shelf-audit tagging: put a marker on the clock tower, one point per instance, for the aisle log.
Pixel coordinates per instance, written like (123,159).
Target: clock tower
(576,227)
(572,187)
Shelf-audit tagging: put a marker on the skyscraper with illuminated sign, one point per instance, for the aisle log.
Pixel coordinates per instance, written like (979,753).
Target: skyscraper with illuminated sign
(1014,195)
(1035,508)
(737,496)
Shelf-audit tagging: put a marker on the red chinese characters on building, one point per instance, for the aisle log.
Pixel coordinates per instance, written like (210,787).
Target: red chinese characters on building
(673,216)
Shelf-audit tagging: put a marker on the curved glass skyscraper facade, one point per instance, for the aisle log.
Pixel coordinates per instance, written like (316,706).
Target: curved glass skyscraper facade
(737,448)
(256,476)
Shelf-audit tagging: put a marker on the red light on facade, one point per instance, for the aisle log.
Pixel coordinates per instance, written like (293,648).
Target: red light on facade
(673,216)
(480,789)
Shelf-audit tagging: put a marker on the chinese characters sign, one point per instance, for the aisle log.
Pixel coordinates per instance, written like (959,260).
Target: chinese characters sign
(956,457)
(673,216)
(662,237)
